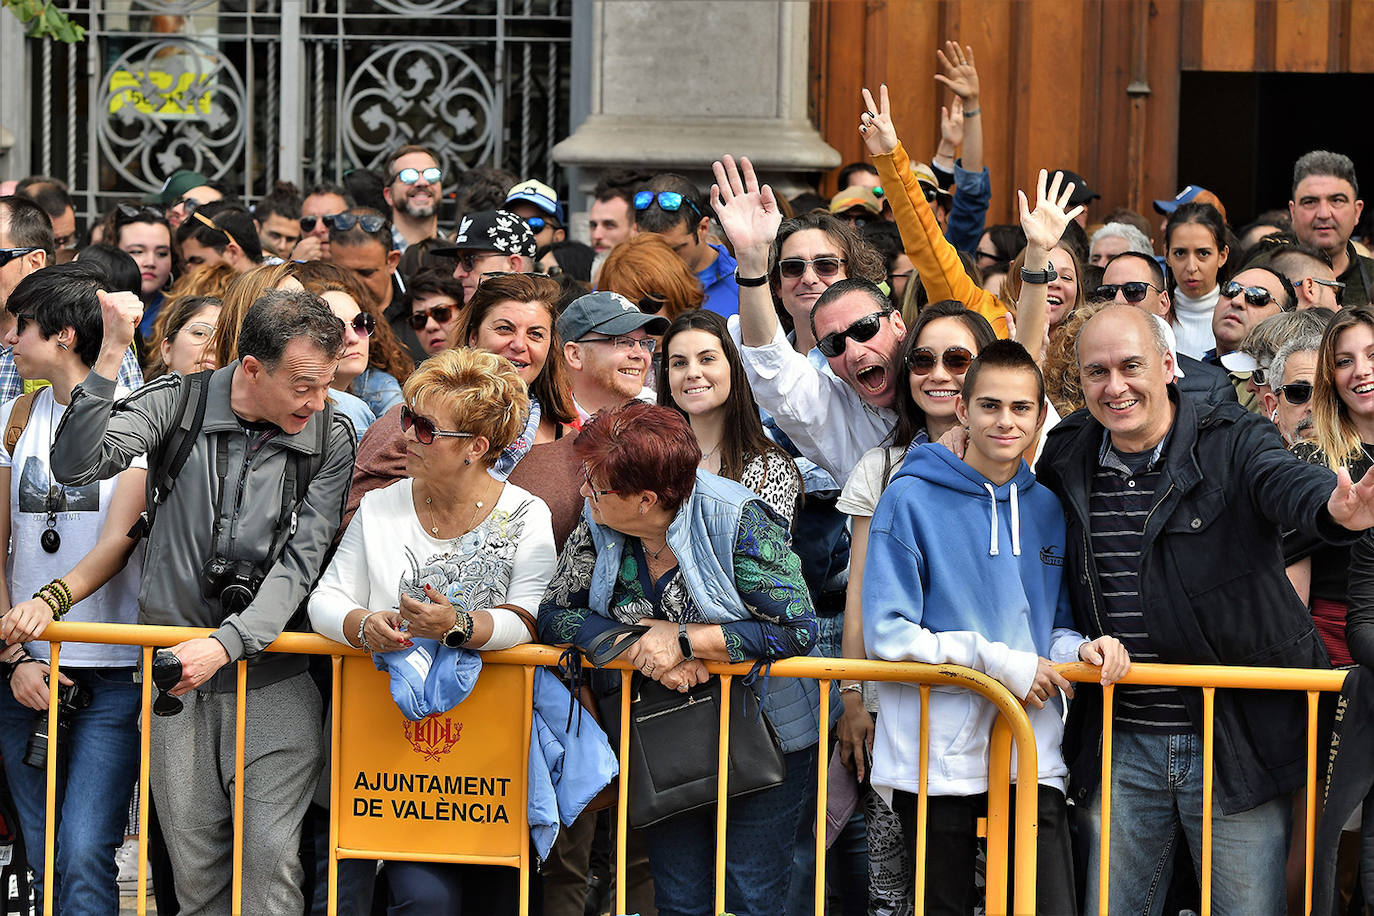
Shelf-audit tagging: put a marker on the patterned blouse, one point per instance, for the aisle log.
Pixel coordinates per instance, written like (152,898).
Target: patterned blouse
(782,622)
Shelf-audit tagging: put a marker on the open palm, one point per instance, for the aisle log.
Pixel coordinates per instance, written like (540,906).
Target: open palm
(1045,225)
(747,212)
(960,76)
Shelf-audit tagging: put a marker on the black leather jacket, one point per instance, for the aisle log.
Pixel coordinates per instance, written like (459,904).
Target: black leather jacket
(1212,581)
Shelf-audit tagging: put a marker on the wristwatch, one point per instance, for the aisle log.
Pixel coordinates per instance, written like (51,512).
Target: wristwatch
(683,643)
(460,632)
(1039,277)
(750,281)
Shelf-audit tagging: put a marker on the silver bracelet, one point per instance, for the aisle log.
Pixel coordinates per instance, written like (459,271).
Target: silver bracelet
(857,688)
(362,637)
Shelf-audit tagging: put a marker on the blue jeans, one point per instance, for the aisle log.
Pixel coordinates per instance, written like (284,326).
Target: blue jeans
(96,771)
(1156,795)
(760,832)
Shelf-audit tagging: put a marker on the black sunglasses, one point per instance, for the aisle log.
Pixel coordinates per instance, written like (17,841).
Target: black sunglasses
(1295,393)
(342,222)
(832,345)
(308,222)
(1257,296)
(440,313)
(1260,375)
(22,319)
(668,201)
(1134,291)
(922,360)
(1337,285)
(364,324)
(166,675)
(825,267)
(187,204)
(425,430)
(410,176)
(9,254)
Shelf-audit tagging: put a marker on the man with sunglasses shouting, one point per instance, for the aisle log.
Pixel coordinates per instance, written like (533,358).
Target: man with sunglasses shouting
(414,190)
(249,469)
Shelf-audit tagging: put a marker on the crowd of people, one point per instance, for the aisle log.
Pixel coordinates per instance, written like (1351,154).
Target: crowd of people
(732,428)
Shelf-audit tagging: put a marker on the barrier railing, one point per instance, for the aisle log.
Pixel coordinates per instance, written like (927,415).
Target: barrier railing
(1012,728)
(1209,678)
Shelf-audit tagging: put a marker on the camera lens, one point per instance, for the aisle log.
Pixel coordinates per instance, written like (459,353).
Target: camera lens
(235,598)
(36,753)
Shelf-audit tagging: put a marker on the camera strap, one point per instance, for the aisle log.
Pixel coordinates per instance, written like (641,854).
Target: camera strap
(190,417)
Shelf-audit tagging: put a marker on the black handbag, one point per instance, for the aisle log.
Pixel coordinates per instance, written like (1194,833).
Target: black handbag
(675,740)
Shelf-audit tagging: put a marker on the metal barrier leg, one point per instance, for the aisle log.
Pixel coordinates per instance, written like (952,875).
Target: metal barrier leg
(822,788)
(1105,805)
(1310,822)
(527,724)
(240,724)
(335,739)
(144,787)
(50,834)
(622,806)
(922,798)
(722,783)
(1208,709)
(999,804)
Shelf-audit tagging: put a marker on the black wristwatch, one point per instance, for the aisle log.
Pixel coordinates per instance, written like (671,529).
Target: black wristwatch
(750,281)
(683,643)
(1039,277)
(460,632)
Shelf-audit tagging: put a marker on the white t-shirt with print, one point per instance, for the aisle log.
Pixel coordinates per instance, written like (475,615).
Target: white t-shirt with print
(80,517)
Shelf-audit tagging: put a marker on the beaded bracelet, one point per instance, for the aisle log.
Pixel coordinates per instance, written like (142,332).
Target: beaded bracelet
(61,585)
(53,603)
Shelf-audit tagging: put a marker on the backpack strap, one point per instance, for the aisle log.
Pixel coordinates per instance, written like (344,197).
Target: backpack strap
(19,418)
(171,457)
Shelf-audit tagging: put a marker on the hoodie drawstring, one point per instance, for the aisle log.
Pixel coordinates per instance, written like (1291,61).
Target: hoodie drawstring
(1015,522)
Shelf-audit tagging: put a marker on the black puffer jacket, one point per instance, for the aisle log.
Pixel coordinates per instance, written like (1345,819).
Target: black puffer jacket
(1212,582)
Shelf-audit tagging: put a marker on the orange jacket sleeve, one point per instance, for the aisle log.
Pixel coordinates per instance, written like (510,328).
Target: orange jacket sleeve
(935,260)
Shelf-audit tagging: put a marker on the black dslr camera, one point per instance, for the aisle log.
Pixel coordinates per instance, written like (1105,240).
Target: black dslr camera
(71,699)
(234,582)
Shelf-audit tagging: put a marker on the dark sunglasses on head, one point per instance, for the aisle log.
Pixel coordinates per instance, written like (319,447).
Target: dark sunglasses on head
(1337,285)
(922,360)
(364,324)
(1257,296)
(308,222)
(410,176)
(425,430)
(440,313)
(1295,393)
(668,201)
(166,675)
(127,214)
(9,254)
(1134,291)
(826,267)
(342,222)
(832,345)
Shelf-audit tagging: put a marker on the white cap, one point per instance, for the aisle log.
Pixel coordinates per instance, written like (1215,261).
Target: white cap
(1172,341)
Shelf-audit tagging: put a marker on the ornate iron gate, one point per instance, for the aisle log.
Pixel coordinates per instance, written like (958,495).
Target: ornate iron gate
(251,91)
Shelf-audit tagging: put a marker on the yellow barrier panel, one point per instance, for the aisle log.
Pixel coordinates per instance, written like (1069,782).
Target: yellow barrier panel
(1209,678)
(356,686)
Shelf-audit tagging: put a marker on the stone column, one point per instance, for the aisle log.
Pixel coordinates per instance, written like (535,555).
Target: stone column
(671,85)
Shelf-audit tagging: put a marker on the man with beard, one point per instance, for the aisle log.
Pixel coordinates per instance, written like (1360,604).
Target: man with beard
(414,189)
(609,346)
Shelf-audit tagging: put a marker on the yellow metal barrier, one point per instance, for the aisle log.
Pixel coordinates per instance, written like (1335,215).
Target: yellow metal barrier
(1209,678)
(1012,726)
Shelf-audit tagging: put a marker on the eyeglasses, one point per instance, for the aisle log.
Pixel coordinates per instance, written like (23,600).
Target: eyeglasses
(199,331)
(9,254)
(409,176)
(825,267)
(440,313)
(668,201)
(591,488)
(187,204)
(922,360)
(469,259)
(832,345)
(1257,296)
(127,214)
(1295,393)
(22,319)
(308,222)
(363,324)
(624,344)
(1134,291)
(425,430)
(342,222)
(166,675)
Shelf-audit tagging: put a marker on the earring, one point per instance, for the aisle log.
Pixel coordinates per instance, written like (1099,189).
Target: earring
(467,461)
(61,346)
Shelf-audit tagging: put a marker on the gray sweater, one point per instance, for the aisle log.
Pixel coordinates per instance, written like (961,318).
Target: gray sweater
(97,439)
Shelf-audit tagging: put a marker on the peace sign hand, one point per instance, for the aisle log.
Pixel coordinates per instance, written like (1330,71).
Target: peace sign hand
(875,124)
(1045,225)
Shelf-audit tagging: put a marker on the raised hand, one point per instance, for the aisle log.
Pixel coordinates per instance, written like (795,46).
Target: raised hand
(952,123)
(748,212)
(1045,225)
(121,313)
(960,76)
(1352,504)
(875,124)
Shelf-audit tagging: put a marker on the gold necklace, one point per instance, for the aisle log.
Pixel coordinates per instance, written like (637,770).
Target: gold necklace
(472,519)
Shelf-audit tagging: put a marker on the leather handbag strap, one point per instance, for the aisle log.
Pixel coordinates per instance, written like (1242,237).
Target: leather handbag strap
(608,646)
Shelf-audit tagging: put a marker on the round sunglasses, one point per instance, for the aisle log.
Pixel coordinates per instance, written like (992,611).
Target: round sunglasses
(922,360)
(440,313)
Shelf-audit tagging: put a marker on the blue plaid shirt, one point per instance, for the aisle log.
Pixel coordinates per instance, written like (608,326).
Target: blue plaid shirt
(12,383)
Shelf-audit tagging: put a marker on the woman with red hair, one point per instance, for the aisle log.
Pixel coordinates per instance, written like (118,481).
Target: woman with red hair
(708,568)
(647,271)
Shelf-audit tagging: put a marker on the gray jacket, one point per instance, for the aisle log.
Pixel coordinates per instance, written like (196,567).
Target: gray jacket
(97,439)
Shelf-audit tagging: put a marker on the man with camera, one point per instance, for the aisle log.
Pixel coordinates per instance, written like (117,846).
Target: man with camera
(248,472)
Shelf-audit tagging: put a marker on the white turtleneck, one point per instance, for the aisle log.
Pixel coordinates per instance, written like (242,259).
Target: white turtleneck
(1193,322)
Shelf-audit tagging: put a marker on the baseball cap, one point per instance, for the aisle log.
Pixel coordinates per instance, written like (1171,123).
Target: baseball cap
(605,312)
(175,187)
(1082,194)
(539,194)
(1191,194)
(491,230)
(926,176)
(856,196)
(1240,361)
(1171,340)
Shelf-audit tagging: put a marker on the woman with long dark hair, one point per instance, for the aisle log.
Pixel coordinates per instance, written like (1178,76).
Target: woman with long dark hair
(1195,250)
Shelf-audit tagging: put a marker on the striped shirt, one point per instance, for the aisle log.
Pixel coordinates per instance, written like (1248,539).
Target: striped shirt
(1122,495)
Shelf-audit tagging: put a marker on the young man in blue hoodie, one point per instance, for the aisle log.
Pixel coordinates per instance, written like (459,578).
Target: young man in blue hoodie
(965,566)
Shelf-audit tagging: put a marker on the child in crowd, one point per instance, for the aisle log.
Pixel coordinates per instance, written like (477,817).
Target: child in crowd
(991,598)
